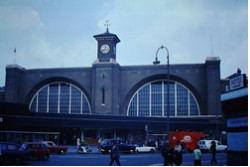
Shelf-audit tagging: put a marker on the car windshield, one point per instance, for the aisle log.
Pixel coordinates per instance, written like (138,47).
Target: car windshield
(104,141)
(43,146)
(51,144)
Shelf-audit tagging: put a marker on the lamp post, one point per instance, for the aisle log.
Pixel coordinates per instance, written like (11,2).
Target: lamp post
(168,106)
(217,112)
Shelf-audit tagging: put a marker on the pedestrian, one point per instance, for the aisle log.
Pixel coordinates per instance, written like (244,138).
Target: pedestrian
(156,145)
(178,154)
(78,143)
(213,151)
(168,154)
(114,155)
(197,156)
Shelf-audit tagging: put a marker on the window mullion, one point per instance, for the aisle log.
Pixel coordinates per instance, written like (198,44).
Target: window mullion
(70,99)
(81,103)
(48,92)
(188,96)
(37,98)
(175,95)
(162,97)
(137,109)
(58,96)
(150,99)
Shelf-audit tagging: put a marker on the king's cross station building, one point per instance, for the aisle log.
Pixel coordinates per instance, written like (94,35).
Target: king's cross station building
(108,100)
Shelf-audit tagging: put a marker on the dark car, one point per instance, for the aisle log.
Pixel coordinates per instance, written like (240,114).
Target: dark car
(12,152)
(106,145)
(55,148)
(37,150)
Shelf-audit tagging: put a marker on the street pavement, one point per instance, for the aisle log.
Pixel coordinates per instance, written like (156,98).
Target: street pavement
(72,158)
(187,158)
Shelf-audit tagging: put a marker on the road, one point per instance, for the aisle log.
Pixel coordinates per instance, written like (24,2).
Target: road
(99,159)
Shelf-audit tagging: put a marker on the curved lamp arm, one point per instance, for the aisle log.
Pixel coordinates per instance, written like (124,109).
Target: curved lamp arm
(156,57)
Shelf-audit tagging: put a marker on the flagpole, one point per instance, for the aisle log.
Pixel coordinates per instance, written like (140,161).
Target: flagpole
(15,55)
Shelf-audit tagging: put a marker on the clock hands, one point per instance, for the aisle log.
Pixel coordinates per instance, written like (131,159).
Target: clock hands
(104,48)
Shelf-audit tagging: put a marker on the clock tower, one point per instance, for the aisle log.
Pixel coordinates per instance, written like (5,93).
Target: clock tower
(106,76)
(106,47)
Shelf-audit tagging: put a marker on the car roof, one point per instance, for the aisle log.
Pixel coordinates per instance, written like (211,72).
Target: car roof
(34,142)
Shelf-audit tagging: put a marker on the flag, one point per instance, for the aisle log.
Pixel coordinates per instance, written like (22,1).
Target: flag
(15,50)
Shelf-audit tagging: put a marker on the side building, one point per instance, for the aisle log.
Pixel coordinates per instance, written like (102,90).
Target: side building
(108,100)
(235,108)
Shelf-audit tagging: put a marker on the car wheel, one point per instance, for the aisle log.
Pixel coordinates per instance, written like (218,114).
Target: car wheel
(46,157)
(152,150)
(136,151)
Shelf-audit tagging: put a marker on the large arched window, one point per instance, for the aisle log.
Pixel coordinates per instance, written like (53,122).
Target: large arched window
(60,97)
(150,100)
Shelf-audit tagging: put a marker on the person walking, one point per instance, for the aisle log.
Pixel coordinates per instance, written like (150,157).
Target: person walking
(78,143)
(178,154)
(114,155)
(213,151)
(168,154)
(197,156)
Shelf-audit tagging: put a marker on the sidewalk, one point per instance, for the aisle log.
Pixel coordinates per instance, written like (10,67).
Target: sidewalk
(203,163)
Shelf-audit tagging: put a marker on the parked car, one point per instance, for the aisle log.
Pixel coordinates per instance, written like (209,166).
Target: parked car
(206,144)
(141,148)
(55,148)
(12,152)
(84,148)
(106,145)
(37,150)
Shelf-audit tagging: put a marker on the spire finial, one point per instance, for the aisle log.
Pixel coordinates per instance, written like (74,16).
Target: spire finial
(107,24)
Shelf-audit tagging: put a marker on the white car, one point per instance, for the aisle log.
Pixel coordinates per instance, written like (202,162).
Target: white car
(140,148)
(206,144)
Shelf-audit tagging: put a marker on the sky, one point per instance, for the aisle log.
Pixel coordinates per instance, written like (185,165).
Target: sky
(59,33)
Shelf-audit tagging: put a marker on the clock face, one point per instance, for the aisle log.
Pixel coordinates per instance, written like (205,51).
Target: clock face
(105,48)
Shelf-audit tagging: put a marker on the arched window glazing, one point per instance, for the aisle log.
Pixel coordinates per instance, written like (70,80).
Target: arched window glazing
(151,100)
(60,97)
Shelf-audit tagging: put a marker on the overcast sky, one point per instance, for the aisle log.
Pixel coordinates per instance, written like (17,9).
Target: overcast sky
(59,33)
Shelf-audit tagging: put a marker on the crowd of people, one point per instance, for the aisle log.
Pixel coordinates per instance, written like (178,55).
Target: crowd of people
(173,156)
(170,155)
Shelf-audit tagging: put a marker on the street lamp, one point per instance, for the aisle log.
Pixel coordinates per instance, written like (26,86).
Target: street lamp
(168,106)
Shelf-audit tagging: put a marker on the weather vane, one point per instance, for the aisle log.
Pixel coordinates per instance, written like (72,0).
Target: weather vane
(107,24)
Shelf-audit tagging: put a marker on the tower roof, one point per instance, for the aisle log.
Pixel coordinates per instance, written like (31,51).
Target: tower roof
(107,36)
